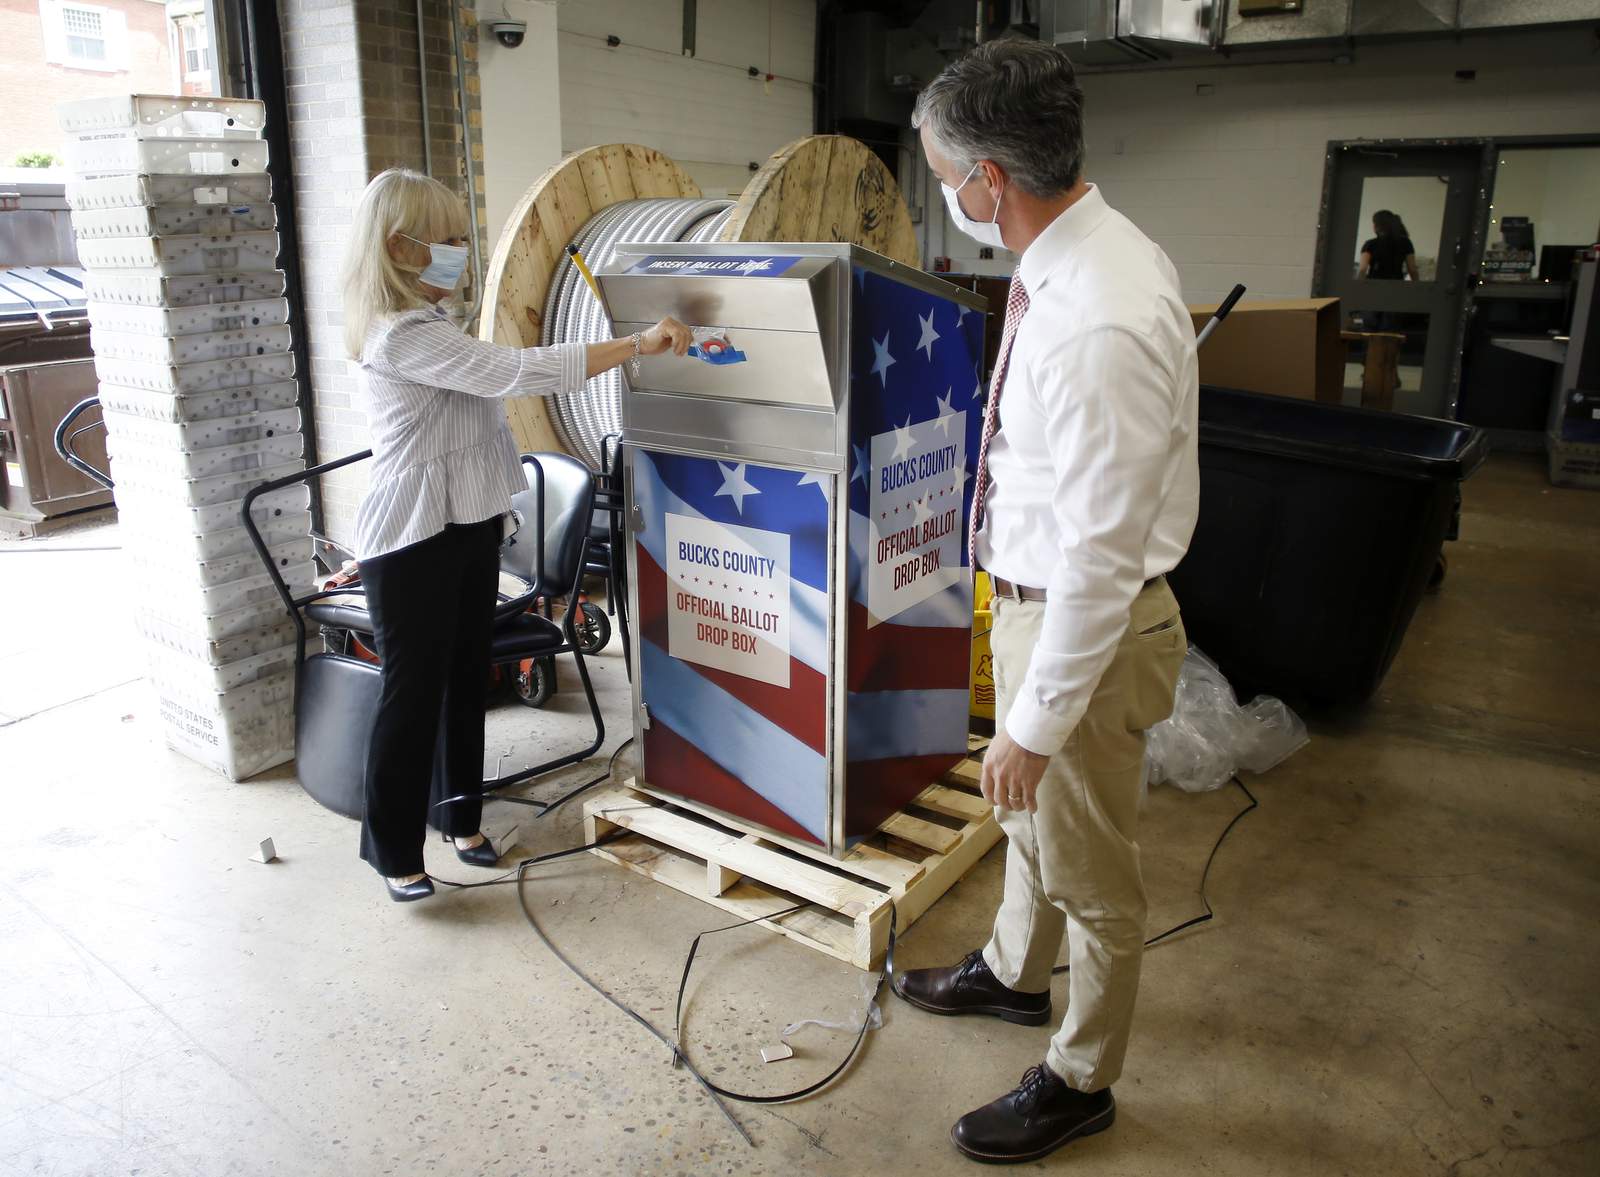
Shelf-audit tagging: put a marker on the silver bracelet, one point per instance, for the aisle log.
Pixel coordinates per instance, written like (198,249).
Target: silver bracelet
(633,362)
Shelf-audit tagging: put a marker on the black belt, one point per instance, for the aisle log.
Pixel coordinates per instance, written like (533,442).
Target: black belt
(1021,592)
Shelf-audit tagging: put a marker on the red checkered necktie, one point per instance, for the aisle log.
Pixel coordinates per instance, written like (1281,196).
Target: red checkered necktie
(1016,307)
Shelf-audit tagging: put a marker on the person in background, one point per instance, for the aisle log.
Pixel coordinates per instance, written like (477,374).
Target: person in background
(438,507)
(1388,255)
(1086,494)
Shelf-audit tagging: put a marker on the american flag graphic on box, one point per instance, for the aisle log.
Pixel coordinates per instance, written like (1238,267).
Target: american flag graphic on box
(740,634)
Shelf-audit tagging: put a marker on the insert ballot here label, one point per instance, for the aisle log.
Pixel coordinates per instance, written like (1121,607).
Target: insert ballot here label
(728,597)
(916,486)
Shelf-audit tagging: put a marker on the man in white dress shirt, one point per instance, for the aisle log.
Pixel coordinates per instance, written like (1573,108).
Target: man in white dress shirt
(1085,496)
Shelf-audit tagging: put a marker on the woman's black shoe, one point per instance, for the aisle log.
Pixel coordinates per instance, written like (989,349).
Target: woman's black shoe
(409,892)
(483,854)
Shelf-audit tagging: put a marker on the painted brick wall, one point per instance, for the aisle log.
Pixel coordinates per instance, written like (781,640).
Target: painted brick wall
(1229,182)
(703,111)
(355,109)
(328,141)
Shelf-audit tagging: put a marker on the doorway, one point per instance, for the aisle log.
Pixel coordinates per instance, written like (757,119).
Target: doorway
(1394,249)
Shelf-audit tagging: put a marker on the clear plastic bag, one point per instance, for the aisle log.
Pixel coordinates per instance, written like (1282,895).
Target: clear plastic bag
(1209,736)
(871,1016)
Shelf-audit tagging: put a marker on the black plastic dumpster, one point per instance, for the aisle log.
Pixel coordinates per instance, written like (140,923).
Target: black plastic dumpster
(1319,528)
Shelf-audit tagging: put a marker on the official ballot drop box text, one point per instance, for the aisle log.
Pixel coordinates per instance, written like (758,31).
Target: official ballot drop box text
(799,493)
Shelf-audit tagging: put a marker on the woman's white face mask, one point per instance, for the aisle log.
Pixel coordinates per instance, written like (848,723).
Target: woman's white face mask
(446,264)
(984,232)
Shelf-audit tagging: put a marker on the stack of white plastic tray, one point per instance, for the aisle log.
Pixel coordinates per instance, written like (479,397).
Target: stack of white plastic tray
(175,226)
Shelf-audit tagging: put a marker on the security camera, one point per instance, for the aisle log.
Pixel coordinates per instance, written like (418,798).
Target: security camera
(508,31)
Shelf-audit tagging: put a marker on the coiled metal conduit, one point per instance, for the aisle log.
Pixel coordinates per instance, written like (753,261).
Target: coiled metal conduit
(572,314)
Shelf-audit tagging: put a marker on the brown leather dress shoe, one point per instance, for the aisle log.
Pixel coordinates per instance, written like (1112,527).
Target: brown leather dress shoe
(1041,1115)
(970,988)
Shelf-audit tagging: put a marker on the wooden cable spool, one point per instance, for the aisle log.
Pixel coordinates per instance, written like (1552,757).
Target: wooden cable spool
(819,188)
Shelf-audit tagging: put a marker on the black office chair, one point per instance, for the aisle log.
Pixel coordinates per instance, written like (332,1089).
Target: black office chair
(336,694)
(591,623)
(547,558)
(604,530)
(608,538)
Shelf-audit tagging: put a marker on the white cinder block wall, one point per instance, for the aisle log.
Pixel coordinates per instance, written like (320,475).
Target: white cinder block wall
(521,108)
(1229,182)
(703,111)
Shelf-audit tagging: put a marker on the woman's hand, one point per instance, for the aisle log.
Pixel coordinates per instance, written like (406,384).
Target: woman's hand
(669,333)
(665,335)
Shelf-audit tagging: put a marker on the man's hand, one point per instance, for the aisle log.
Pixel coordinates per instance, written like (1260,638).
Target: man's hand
(669,333)
(1011,774)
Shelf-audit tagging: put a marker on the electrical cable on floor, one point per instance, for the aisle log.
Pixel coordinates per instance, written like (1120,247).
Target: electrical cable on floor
(679,1057)
(855,1047)
(688,963)
(719,1095)
(527,912)
(544,807)
(1204,875)
(507,879)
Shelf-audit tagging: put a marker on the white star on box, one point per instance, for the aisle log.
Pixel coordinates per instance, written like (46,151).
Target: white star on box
(946,411)
(863,463)
(902,441)
(735,485)
(921,511)
(929,335)
(882,360)
(812,478)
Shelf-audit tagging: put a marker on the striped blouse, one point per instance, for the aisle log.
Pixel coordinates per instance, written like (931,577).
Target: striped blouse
(442,451)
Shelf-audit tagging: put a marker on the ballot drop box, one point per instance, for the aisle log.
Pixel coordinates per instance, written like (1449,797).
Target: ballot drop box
(799,489)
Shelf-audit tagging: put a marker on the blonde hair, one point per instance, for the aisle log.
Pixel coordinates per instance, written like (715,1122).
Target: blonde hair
(376,285)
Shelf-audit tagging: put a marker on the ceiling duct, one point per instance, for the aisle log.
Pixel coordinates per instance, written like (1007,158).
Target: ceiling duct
(1155,34)
(1361,21)
(1130,32)
(1314,21)
(1498,14)
(1388,18)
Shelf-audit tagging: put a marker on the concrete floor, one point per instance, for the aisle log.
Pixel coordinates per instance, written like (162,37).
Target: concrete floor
(1402,978)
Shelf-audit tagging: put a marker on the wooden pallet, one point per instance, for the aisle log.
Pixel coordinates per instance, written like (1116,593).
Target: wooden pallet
(917,856)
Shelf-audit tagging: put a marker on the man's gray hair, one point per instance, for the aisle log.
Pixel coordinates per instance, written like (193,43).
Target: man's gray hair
(1015,102)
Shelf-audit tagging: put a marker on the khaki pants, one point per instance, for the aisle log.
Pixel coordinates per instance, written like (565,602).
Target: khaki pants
(1073,867)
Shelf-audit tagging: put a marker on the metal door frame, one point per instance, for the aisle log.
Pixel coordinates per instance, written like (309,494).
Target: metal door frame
(1471,257)
(1489,148)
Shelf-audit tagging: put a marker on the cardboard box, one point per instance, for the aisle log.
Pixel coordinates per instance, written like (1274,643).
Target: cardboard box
(1573,463)
(1289,347)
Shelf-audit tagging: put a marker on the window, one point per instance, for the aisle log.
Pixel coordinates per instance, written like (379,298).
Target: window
(86,38)
(196,49)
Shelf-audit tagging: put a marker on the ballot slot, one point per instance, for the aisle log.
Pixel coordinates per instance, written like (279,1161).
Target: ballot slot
(763,335)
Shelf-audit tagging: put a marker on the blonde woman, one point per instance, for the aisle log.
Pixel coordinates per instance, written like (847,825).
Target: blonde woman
(428,533)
